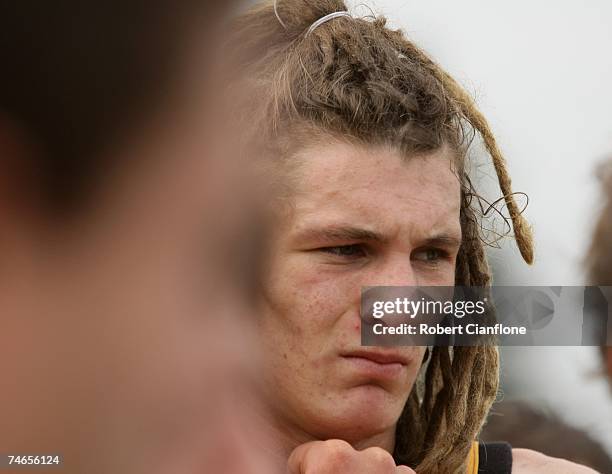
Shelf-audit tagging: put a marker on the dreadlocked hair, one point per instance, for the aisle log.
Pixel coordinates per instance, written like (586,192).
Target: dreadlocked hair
(357,79)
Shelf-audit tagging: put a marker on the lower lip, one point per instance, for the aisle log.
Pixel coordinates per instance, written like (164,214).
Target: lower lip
(370,368)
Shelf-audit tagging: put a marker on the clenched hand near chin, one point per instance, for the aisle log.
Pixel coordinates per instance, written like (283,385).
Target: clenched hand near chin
(339,457)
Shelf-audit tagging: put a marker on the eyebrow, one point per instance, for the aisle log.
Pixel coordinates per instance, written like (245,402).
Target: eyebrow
(340,233)
(442,240)
(349,233)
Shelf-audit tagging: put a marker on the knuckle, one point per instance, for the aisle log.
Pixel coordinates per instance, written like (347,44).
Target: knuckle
(338,452)
(381,458)
(338,444)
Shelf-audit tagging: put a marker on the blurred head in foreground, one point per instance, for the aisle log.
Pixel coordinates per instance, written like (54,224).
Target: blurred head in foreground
(120,269)
(366,138)
(599,257)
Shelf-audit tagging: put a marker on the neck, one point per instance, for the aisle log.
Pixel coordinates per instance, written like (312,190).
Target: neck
(384,440)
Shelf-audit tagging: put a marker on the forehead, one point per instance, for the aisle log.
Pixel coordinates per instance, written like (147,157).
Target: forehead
(376,186)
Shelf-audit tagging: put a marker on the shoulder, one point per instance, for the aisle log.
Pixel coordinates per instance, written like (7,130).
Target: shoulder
(526,461)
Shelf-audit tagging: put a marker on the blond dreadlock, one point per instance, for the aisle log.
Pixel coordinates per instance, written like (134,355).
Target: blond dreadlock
(360,80)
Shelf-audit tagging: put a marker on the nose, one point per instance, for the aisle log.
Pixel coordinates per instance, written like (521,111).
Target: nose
(395,270)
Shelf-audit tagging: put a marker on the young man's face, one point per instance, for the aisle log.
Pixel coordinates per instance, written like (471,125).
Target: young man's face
(358,217)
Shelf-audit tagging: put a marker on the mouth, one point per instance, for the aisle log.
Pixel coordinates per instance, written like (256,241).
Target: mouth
(379,357)
(376,364)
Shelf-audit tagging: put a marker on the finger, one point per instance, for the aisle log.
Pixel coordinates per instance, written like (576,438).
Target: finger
(297,459)
(331,456)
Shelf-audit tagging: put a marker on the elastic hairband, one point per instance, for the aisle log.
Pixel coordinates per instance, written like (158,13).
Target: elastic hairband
(278,16)
(325,19)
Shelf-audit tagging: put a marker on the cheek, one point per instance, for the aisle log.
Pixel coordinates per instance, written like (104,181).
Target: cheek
(298,319)
(305,322)
(306,299)
(441,274)
(446,275)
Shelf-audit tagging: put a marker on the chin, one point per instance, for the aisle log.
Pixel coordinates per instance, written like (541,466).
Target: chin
(362,412)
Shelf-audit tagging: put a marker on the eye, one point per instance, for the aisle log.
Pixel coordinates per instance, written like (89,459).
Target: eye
(345,251)
(431,255)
